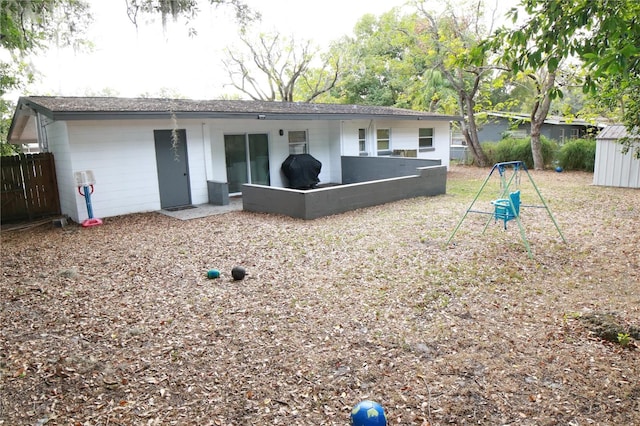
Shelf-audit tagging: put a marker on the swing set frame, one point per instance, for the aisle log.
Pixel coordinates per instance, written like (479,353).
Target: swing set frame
(507,207)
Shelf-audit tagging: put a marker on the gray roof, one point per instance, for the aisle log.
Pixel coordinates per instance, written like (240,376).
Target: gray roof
(78,108)
(551,119)
(614,132)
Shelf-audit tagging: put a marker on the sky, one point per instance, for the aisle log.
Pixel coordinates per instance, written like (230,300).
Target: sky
(129,61)
(151,60)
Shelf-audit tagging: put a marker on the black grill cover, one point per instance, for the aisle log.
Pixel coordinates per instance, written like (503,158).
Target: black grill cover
(301,170)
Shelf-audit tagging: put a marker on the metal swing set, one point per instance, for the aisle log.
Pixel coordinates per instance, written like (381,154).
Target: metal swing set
(507,207)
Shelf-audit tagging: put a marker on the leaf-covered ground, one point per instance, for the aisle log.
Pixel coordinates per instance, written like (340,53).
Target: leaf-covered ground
(119,325)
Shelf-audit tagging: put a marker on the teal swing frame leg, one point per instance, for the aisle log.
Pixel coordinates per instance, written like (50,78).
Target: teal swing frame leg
(464,216)
(517,165)
(523,235)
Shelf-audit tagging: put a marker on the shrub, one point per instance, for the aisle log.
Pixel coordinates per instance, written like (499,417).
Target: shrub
(512,149)
(578,154)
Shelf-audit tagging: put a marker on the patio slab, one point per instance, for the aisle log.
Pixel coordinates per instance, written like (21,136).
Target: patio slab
(204,210)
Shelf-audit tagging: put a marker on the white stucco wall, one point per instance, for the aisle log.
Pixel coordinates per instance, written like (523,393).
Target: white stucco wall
(58,144)
(613,168)
(121,155)
(404,135)
(323,142)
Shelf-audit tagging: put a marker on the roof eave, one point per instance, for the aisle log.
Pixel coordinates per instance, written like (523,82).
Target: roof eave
(21,116)
(129,115)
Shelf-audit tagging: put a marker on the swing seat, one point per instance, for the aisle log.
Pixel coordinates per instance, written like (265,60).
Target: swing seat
(506,209)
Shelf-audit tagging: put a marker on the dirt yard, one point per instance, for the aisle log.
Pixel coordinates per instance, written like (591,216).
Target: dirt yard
(119,325)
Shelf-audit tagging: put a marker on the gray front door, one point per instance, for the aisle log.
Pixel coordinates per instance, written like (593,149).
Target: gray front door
(173,169)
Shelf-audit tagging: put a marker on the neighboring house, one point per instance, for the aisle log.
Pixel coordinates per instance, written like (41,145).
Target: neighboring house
(612,167)
(501,124)
(152,154)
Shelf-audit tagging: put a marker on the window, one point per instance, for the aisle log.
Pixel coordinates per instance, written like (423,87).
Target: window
(362,141)
(425,139)
(298,142)
(383,141)
(575,133)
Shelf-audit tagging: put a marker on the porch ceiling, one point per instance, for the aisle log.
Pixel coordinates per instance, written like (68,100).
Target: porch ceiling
(23,128)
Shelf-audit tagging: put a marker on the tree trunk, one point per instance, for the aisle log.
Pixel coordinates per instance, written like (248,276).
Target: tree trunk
(536,146)
(538,115)
(470,130)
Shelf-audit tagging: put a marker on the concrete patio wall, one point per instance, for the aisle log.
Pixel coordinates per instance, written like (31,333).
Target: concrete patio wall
(315,203)
(363,169)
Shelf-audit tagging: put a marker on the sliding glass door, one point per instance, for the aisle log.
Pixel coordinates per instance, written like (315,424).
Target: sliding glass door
(247,157)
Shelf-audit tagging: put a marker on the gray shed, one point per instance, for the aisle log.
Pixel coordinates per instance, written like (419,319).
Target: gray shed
(612,167)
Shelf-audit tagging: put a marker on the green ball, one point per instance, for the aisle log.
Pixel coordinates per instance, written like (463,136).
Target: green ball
(213,273)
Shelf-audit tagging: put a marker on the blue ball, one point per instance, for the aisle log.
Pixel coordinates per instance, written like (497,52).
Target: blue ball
(558,169)
(368,413)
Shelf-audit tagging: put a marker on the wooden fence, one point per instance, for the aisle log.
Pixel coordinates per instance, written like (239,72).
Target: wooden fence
(29,187)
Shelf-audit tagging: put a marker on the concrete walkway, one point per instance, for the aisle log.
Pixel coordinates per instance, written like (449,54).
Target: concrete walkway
(204,210)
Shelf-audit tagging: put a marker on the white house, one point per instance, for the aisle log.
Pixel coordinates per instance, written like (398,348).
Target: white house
(150,154)
(612,167)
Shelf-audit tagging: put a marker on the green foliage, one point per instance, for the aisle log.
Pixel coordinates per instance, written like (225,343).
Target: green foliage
(26,27)
(414,60)
(8,149)
(604,34)
(424,60)
(187,9)
(519,149)
(624,339)
(379,65)
(6,109)
(623,96)
(578,154)
(450,40)
(29,26)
